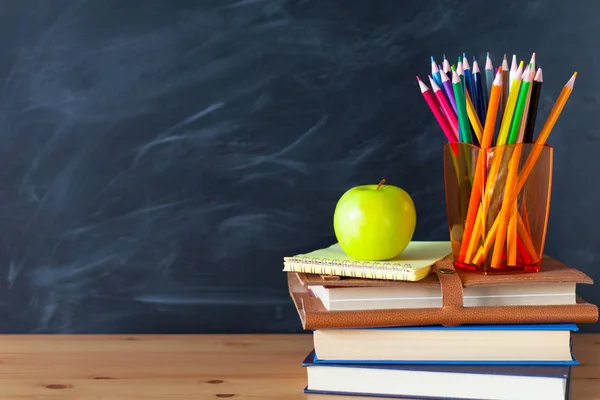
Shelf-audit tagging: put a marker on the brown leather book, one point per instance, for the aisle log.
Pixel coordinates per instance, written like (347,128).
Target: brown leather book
(451,282)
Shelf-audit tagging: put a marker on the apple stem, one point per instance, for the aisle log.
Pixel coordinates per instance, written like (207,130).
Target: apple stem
(381,184)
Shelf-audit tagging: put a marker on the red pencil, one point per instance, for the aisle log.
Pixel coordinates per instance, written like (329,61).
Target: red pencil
(436,111)
(446,107)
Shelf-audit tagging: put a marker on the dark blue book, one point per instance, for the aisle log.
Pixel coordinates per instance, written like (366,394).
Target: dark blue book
(515,382)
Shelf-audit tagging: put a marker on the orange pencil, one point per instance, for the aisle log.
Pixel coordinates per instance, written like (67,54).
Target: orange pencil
(479,180)
(545,132)
(535,153)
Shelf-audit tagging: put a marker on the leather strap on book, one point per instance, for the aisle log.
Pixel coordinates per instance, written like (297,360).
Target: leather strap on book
(452,287)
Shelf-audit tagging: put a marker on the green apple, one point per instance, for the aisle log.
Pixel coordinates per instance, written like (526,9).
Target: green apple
(374,222)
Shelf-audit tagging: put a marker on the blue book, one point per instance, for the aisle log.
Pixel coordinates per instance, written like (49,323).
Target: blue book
(439,381)
(542,344)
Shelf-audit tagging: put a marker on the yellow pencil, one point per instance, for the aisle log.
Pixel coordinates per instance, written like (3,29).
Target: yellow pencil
(472,114)
(510,106)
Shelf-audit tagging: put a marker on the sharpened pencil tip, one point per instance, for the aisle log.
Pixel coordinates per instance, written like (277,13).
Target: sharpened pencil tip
(571,81)
(432,59)
(419,79)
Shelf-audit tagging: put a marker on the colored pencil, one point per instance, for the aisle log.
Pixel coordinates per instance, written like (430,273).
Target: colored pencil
(520,136)
(515,125)
(446,65)
(545,132)
(510,108)
(536,88)
(436,111)
(507,203)
(474,119)
(468,75)
(447,84)
(446,108)
(463,122)
(435,72)
(529,163)
(486,141)
(492,111)
(489,74)
(480,93)
(461,73)
(506,84)
(513,71)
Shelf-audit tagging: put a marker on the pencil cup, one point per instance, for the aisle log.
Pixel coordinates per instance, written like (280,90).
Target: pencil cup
(497,202)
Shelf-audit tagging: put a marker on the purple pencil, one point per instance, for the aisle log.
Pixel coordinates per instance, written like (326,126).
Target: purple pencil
(448,89)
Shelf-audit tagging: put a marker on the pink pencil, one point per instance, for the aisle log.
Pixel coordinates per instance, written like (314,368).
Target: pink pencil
(450,116)
(436,111)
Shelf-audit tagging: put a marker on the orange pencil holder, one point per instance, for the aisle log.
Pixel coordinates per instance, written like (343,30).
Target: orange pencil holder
(497,202)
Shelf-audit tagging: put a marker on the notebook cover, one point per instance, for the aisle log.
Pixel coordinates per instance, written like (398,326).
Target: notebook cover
(520,370)
(314,315)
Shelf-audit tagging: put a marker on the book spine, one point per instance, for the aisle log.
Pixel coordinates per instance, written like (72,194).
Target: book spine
(354,269)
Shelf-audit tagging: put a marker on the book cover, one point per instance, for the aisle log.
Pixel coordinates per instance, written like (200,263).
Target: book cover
(536,371)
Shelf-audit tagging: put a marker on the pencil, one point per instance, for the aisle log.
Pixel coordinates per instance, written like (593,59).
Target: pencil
(519,108)
(446,108)
(510,107)
(436,111)
(511,237)
(492,111)
(481,94)
(489,74)
(536,150)
(464,129)
(505,85)
(468,75)
(461,73)
(513,71)
(486,141)
(474,119)
(448,89)
(545,132)
(514,244)
(536,89)
(446,65)
(435,72)
(532,62)
(507,203)
(526,110)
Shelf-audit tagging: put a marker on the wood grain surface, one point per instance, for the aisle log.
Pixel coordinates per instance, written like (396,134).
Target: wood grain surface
(124,367)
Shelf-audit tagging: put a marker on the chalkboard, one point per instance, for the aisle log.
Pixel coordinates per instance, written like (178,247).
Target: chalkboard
(160,158)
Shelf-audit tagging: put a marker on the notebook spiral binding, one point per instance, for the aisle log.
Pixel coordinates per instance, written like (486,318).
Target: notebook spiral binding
(355,269)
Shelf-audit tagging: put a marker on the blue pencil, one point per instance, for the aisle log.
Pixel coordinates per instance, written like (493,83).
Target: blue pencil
(481,104)
(435,72)
(468,75)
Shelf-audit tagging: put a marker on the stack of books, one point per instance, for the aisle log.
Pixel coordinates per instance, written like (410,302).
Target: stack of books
(435,332)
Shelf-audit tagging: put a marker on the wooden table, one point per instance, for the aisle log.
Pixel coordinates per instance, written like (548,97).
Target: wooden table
(123,367)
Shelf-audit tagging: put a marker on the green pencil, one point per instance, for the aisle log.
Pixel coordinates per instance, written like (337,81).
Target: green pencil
(464,130)
(519,107)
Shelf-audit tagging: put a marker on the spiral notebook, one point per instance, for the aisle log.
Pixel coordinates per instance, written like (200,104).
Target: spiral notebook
(413,264)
